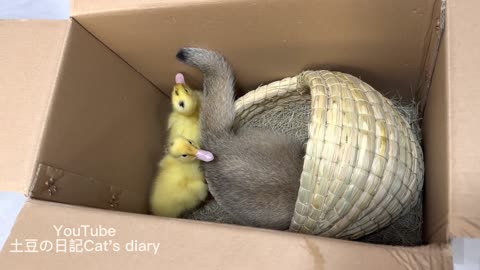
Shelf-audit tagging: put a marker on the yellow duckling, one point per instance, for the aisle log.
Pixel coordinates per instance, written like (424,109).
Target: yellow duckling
(184,119)
(179,185)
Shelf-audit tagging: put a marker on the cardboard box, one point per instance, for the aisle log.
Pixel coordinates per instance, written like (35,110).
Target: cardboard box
(84,102)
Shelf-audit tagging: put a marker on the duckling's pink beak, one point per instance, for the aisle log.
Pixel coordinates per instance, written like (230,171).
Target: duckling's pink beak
(204,155)
(179,78)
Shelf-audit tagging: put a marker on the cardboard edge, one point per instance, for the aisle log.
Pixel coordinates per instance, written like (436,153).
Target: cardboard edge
(466,227)
(432,48)
(90,7)
(233,244)
(46,113)
(23,186)
(436,130)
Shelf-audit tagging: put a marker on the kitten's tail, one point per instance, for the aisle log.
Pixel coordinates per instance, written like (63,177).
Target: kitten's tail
(218,111)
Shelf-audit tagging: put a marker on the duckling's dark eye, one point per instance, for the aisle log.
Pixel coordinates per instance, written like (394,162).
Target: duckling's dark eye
(184,155)
(186,91)
(176,92)
(181,104)
(190,142)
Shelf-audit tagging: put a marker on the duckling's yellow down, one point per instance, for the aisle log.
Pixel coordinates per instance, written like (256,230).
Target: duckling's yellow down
(179,185)
(184,119)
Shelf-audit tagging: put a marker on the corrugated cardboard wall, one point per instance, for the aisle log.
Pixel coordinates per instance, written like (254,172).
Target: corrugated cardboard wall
(30,53)
(437,150)
(383,42)
(104,131)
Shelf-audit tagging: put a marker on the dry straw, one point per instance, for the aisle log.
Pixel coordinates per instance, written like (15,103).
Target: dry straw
(363,166)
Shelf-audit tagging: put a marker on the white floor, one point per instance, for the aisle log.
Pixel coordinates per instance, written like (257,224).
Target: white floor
(34,9)
(10,205)
(466,251)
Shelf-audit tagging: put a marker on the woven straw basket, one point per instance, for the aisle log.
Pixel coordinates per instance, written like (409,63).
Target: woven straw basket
(363,166)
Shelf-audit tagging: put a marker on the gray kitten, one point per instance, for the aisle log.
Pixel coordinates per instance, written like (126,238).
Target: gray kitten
(256,173)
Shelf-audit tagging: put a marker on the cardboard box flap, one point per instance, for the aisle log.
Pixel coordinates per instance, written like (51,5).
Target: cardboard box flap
(435,132)
(79,7)
(463,41)
(105,130)
(281,38)
(183,244)
(30,55)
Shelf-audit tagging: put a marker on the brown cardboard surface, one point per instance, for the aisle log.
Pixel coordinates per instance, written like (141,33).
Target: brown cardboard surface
(437,147)
(30,54)
(463,41)
(269,40)
(431,53)
(104,131)
(195,245)
(93,6)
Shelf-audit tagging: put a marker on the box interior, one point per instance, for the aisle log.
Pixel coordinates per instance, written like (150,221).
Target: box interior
(106,124)
(104,130)
(270,40)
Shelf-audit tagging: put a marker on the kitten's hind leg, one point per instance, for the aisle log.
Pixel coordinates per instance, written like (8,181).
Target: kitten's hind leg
(218,110)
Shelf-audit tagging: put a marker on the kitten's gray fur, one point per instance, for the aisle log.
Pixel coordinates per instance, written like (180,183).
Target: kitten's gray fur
(256,173)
